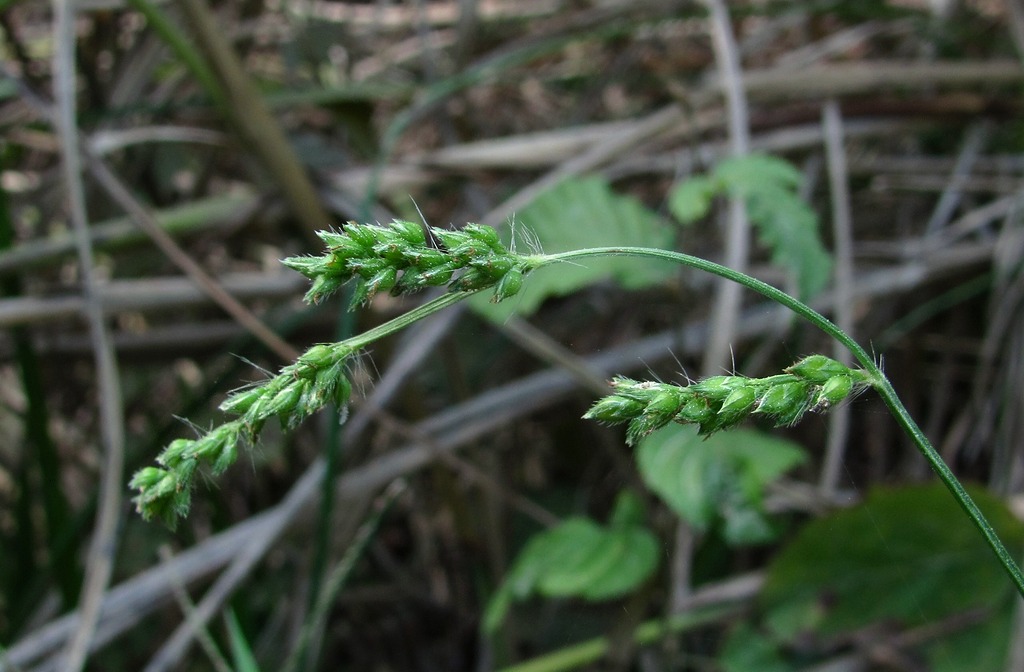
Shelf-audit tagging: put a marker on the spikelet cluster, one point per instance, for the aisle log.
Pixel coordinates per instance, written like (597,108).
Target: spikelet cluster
(397,258)
(318,377)
(815,383)
(400,259)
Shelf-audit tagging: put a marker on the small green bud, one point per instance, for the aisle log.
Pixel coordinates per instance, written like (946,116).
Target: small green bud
(508,286)
(225,457)
(472,280)
(239,402)
(411,232)
(834,391)
(642,426)
(365,235)
(342,390)
(614,410)
(331,384)
(737,405)
(818,368)
(426,258)
(360,295)
(175,453)
(316,358)
(450,238)
(696,411)
(717,388)
(394,251)
(665,404)
(323,286)
(152,482)
(494,265)
(435,277)
(485,234)
(308,266)
(780,399)
(366,268)
(383,281)
(285,400)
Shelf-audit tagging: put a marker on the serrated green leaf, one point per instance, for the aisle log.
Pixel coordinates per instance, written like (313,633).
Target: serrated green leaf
(747,175)
(574,214)
(702,478)
(790,229)
(907,555)
(691,199)
(785,224)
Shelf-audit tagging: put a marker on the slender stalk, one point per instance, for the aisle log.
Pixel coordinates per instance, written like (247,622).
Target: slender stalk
(878,378)
(103,546)
(402,321)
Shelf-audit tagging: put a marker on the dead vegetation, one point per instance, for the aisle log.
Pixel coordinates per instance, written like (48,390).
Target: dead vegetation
(213,140)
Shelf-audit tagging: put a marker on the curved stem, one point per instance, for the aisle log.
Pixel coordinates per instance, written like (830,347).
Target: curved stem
(878,379)
(402,321)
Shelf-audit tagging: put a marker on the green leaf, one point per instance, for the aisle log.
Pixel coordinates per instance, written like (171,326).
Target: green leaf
(580,558)
(908,555)
(746,176)
(722,476)
(746,650)
(241,653)
(785,224)
(790,229)
(983,646)
(691,199)
(578,213)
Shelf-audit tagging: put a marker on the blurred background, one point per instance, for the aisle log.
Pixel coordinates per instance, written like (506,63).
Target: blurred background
(158,159)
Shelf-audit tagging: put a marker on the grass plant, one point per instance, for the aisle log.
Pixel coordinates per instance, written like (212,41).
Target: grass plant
(405,257)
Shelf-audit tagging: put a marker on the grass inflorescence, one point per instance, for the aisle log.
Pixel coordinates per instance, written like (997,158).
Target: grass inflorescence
(400,258)
(815,383)
(318,378)
(397,258)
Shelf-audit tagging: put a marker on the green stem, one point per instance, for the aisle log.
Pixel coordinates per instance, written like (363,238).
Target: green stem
(402,321)
(878,378)
(588,652)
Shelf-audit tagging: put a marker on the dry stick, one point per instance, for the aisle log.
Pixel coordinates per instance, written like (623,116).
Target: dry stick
(186,606)
(148,294)
(840,79)
(977,138)
(1017,25)
(100,563)
(726,308)
(139,596)
(145,221)
(842,233)
(254,122)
